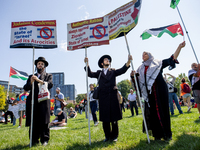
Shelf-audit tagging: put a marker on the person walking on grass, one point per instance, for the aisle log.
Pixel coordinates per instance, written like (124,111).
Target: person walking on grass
(132,102)
(93,105)
(172,94)
(185,93)
(193,76)
(109,107)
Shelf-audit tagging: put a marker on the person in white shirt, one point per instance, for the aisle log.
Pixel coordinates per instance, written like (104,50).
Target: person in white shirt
(132,102)
(93,105)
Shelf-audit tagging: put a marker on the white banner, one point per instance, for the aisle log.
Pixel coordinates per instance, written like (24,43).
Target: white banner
(123,19)
(92,32)
(29,34)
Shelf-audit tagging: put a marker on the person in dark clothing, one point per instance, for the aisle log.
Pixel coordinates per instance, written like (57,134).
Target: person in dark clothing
(154,90)
(122,104)
(60,120)
(41,110)
(109,107)
(9,111)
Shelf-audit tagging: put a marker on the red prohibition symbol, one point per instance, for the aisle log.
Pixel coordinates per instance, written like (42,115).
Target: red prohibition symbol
(96,29)
(43,30)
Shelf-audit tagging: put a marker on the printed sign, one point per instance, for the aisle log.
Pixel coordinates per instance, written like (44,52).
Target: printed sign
(123,19)
(38,34)
(93,32)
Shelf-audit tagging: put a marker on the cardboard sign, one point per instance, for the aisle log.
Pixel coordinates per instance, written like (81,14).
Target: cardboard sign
(123,19)
(93,32)
(29,34)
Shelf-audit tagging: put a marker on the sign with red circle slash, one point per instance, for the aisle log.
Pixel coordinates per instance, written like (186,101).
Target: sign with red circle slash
(100,34)
(44,33)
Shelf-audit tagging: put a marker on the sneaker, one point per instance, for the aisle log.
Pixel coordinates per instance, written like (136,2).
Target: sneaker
(45,143)
(115,140)
(189,109)
(19,127)
(96,123)
(106,140)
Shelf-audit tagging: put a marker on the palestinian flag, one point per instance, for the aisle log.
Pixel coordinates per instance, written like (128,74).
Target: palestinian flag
(14,73)
(173,30)
(173,4)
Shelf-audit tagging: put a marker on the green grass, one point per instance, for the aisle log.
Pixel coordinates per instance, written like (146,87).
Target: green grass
(185,130)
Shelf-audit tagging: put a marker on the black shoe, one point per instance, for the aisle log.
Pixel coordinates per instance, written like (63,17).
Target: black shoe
(168,138)
(106,140)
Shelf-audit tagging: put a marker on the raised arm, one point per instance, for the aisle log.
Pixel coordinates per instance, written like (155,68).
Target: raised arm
(181,45)
(124,68)
(90,73)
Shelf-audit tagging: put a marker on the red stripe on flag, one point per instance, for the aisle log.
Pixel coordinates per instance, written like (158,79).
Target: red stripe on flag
(176,28)
(135,13)
(12,71)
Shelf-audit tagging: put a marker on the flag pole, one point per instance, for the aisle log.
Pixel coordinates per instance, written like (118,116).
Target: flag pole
(145,125)
(186,31)
(8,88)
(32,102)
(88,101)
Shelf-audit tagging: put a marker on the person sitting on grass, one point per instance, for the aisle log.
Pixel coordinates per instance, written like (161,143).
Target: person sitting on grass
(72,113)
(60,120)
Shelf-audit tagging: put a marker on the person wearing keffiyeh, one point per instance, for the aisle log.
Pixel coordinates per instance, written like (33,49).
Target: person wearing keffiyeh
(154,90)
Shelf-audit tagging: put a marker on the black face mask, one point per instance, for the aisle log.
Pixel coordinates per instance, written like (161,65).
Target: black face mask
(40,70)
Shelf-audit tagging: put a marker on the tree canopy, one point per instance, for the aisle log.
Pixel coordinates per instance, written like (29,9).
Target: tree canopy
(124,87)
(2,97)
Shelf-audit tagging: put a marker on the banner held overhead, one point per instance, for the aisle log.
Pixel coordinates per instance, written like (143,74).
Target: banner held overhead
(92,32)
(123,19)
(29,34)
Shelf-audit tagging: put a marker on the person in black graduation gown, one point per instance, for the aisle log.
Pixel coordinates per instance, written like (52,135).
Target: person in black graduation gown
(109,107)
(41,110)
(154,90)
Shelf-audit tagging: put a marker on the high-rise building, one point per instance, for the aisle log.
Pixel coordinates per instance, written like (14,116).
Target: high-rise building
(58,81)
(12,88)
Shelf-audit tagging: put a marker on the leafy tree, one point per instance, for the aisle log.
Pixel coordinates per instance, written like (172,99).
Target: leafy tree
(80,97)
(2,97)
(70,105)
(124,87)
(178,82)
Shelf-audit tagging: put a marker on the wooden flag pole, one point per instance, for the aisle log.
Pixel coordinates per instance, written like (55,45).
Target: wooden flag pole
(88,101)
(138,94)
(186,32)
(32,102)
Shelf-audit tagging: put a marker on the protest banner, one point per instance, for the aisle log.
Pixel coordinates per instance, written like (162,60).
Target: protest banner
(92,32)
(33,34)
(123,19)
(29,34)
(82,34)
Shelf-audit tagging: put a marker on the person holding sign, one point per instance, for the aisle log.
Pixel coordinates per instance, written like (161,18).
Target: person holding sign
(41,111)
(109,107)
(154,90)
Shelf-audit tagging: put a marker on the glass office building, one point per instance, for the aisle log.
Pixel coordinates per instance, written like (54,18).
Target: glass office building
(12,88)
(58,81)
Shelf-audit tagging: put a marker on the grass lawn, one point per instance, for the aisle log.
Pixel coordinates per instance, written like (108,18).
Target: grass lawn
(185,134)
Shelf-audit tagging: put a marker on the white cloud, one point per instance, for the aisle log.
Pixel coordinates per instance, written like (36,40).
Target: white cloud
(81,7)
(63,45)
(87,15)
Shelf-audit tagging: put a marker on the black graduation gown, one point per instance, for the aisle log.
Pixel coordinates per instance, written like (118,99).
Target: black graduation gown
(41,113)
(109,107)
(157,115)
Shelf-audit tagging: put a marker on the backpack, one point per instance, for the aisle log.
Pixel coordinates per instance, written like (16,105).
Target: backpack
(186,88)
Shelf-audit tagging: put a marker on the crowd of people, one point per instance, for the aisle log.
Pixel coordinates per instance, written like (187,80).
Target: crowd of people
(158,93)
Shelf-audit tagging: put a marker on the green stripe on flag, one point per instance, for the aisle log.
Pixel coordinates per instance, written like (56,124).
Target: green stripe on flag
(145,35)
(19,77)
(167,31)
(173,5)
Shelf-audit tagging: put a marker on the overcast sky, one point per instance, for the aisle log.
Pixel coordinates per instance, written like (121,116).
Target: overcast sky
(153,14)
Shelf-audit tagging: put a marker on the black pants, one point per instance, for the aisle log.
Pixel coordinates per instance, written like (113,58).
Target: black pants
(40,131)
(93,107)
(111,133)
(6,116)
(122,107)
(133,104)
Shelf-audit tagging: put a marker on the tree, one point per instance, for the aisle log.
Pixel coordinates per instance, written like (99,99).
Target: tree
(70,105)
(178,82)
(2,97)
(80,97)
(124,87)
